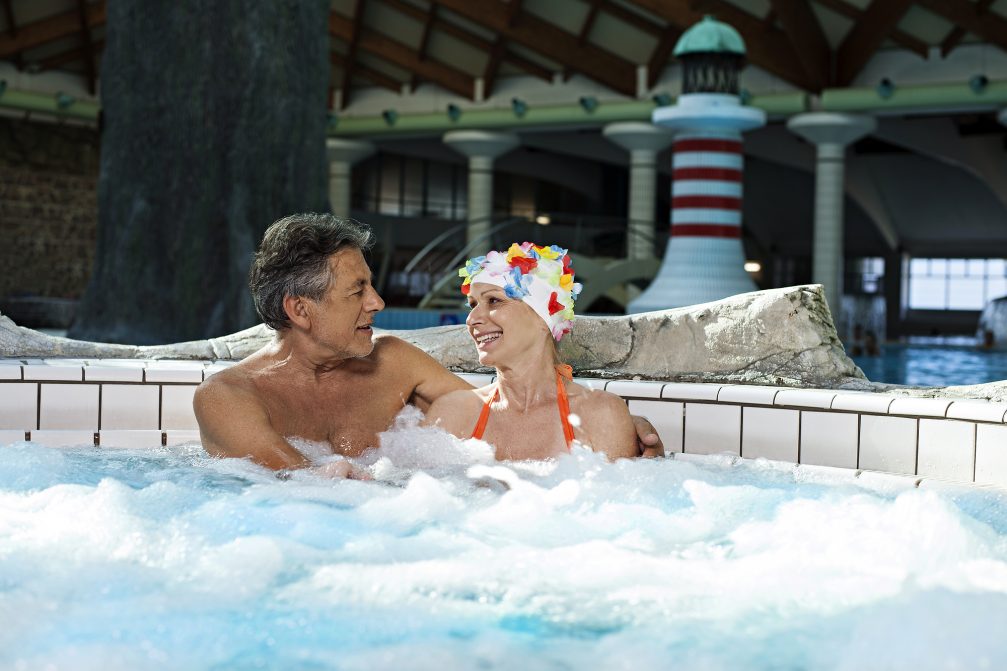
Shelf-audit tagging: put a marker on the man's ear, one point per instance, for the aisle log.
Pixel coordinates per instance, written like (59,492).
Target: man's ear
(297,310)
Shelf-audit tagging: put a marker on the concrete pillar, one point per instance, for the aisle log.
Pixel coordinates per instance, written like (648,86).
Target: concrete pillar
(830,133)
(1002,117)
(643,141)
(342,155)
(481,148)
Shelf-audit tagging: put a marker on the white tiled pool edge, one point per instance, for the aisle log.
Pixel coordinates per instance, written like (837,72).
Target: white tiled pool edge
(111,403)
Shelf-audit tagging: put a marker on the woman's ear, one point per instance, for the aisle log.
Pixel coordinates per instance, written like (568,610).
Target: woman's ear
(298,311)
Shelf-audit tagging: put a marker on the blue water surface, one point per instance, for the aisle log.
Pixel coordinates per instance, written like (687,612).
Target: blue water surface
(934,365)
(166,559)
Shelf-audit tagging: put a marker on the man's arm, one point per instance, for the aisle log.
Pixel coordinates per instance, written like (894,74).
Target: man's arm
(233,423)
(429,378)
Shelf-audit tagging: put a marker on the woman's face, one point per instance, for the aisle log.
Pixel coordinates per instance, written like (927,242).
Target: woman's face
(504,329)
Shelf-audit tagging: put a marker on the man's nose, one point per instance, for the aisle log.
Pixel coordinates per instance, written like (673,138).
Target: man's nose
(375,304)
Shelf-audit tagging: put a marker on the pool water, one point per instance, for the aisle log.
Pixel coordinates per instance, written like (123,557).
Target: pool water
(167,559)
(934,365)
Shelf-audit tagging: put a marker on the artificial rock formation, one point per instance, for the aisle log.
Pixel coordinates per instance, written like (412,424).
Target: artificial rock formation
(778,337)
(213,127)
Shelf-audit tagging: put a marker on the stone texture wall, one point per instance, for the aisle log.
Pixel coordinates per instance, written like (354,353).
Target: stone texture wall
(48,208)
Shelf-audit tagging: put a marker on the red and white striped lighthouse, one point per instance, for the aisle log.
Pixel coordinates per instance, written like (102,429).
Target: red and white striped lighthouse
(705,260)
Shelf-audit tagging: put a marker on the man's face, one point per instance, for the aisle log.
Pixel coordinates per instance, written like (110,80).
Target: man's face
(343,316)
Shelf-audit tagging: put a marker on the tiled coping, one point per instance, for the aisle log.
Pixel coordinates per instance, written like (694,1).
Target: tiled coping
(123,403)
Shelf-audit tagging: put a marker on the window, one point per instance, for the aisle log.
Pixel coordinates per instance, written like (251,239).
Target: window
(864,275)
(955,284)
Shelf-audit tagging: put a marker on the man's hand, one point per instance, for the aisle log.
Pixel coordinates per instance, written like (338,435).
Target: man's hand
(648,443)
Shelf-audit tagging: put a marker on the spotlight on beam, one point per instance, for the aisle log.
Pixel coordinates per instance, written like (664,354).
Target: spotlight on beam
(589,103)
(543,220)
(390,117)
(661,99)
(64,100)
(519,106)
(454,112)
(978,83)
(885,88)
(753,266)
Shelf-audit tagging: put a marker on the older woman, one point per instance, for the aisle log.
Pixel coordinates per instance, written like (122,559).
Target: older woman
(521,305)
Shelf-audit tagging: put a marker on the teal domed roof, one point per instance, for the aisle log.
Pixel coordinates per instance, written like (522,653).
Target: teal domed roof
(710,36)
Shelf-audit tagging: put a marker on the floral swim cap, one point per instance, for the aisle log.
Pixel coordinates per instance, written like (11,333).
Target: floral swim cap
(540,276)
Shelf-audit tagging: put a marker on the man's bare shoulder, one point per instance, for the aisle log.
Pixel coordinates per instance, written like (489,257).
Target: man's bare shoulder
(233,384)
(387,345)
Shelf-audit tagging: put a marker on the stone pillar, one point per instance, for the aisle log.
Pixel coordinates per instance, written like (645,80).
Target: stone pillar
(481,148)
(643,141)
(342,155)
(830,133)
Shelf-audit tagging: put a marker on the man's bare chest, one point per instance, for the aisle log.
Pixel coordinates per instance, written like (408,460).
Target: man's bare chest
(348,416)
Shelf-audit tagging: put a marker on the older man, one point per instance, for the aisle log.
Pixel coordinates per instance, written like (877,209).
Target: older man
(325,377)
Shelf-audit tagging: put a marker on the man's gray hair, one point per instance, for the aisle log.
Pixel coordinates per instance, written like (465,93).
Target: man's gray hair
(293,260)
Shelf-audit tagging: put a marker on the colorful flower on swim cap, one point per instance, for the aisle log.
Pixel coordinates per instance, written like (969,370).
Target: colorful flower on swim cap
(542,277)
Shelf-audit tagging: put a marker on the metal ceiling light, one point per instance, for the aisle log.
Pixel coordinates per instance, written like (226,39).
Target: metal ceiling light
(390,117)
(64,100)
(454,112)
(885,88)
(519,106)
(661,99)
(978,83)
(589,103)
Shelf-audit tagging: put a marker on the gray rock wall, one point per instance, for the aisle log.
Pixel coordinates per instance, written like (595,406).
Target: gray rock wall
(780,337)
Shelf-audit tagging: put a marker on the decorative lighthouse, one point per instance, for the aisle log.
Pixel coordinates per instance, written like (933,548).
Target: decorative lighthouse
(705,260)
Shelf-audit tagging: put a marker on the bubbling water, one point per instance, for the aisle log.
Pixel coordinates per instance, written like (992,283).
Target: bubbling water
(165,558)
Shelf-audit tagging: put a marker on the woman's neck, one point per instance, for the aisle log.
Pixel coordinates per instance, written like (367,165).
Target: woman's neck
(528,382)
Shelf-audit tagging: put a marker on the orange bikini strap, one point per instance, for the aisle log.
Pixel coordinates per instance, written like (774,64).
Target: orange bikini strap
(484,416)
(564,371)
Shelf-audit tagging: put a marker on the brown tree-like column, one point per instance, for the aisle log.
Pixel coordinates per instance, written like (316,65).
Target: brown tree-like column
(214,118)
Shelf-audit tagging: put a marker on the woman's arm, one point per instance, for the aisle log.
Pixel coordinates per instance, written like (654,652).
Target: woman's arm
(608,426)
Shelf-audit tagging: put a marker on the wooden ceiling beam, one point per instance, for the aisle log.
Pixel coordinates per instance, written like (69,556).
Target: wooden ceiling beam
(585,28)
(807,37)
(989,26)
(85,36)
(8,11)
(364,70)
(77,53)
(958,33)
(62,25)
(632,18)
(550,41)
(901,38)
(493,66)
(350,59)
(405,57)
(862,41)
(428,24)
(662,54)
(768,46)
(469,38)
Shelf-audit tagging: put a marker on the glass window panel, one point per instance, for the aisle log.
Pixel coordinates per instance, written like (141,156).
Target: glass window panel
(439,190)
(878,266)
(391,171)
(996,267)
(956,267)
(412,191)
(975,267)
(965,293)
(919,267)
(926,293)
(996,287)
(938,267)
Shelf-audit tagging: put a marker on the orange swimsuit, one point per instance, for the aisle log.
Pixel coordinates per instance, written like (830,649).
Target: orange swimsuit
(562,371)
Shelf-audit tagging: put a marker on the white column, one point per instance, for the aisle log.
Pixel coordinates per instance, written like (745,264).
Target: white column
(830,133)
(643,141)
(481,148)
(342,155)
